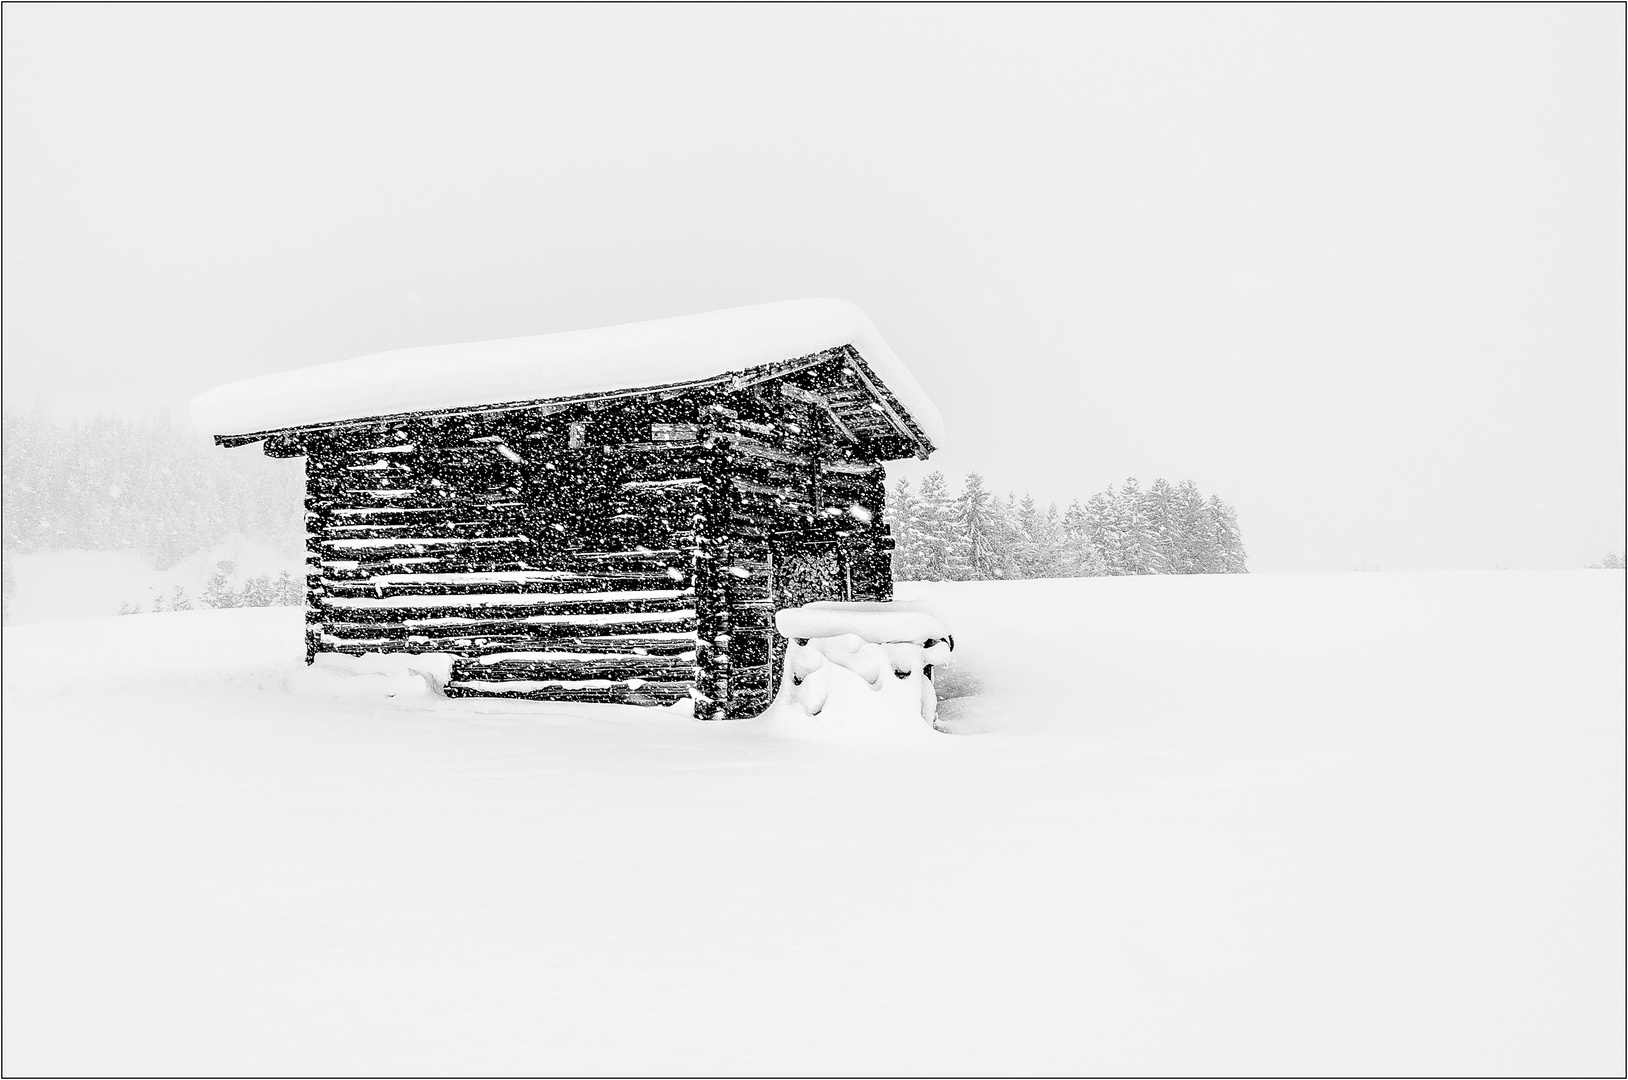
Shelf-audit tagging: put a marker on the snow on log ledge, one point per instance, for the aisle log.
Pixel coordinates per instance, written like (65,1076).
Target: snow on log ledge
(883,623)
(634,356)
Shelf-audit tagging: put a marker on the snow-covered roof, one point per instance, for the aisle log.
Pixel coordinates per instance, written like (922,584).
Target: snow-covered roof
(662,352)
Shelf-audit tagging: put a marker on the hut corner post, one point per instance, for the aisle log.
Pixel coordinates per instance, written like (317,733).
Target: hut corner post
(319,501)
(711,694)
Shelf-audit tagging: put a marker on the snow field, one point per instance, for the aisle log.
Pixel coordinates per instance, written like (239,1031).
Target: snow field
(1345,823)
(67,584)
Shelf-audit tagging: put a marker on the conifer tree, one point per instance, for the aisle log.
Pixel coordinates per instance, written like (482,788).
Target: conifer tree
(906,543)
(941,535)
(1079,556)
(977,513)
(1136,552)
(1036,553)
(1009,538)
(1158,515)
(1104,529)
(288,592)
(1229,539)
(1192,532)
(257,592)
(218,591)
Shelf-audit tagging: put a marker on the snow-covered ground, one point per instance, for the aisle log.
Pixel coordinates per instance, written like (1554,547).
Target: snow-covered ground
(1346,823)
(66,584)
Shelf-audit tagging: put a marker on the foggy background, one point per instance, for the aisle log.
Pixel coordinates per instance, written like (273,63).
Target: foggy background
(1357,269)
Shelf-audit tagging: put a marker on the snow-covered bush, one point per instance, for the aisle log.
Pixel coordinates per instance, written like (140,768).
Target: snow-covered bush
(258,591)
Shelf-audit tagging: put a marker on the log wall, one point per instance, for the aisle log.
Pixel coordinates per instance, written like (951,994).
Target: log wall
(618,551)
(549,571)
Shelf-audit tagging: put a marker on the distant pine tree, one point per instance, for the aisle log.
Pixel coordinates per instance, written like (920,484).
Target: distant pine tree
(1051,542)
(257,592)
(1229,539)
(1137,553)
(218,591)
(1194,548)
(978,512)
(1037,552)
(1104,529)
(287,592)
(1158,513)
(1003,538)
(941,533)
(906,542)
(1079,556)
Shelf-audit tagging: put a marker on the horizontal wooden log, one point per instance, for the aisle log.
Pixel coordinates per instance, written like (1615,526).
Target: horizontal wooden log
(748,428)
(458,610)
(441,531)
(398,514)
(531,554)
(740,444)
(660,645)
(645,555)
(612,667)
(539,598)
(533,627)
(517,582)
(532,557)
(426,564)
(675,485)
(771,474)
(642,451)
(471,646)
(649,693)
(861,469)
(426,542)
(749,527)
(790,495)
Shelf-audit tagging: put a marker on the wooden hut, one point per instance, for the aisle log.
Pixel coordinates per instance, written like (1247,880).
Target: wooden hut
(608,515)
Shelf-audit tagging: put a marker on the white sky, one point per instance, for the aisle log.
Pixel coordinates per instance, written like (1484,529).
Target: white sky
(1357,269)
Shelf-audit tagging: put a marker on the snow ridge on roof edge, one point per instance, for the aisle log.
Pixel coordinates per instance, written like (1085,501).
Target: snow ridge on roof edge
(631,356)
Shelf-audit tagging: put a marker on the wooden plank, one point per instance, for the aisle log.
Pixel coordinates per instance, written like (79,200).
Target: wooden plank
(885,398)
(536,627)
(618,668)
(339,612)
(757,448)
(381,585)
(647,693)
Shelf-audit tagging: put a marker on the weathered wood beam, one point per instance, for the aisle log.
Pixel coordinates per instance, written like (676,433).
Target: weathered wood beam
(885,398)
(791,390)
(753,376)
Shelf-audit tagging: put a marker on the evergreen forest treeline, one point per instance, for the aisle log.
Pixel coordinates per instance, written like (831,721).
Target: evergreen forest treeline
(974,536)
(111,483)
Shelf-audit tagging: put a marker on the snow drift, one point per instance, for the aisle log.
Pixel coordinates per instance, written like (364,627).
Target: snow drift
(1360,824)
